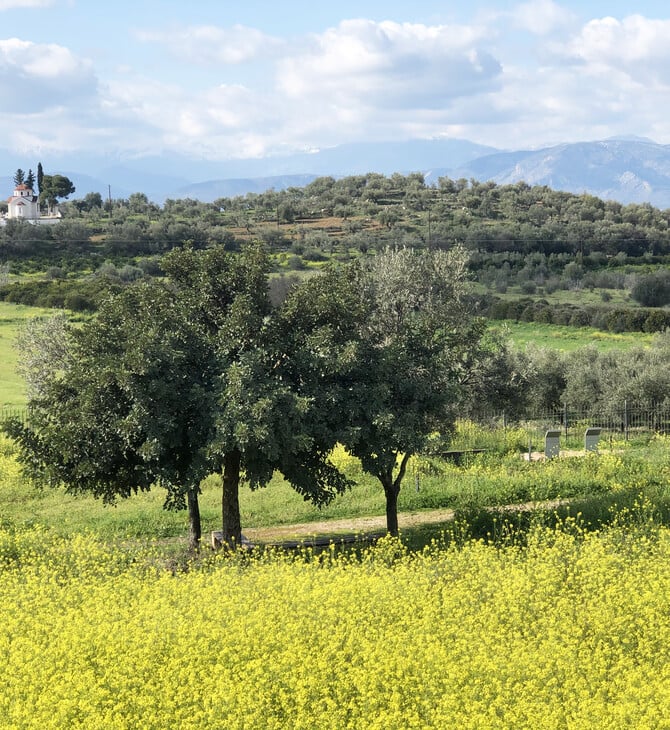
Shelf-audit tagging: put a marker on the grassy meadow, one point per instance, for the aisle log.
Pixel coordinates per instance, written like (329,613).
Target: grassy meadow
(12,317)
(611,297)
(554,614)
(12,389)
(566,338)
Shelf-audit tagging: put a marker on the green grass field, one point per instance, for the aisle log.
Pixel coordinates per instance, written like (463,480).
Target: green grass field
(563,337)
(582,297)
(618,476)
(12,316)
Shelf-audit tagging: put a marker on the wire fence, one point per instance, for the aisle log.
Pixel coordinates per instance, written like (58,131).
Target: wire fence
(13,412)
(520,432)
(623,422)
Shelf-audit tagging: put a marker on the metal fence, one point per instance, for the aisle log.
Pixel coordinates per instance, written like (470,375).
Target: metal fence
(7,412)
(527,431)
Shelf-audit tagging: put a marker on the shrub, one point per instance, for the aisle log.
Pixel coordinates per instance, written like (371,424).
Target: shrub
(544,315)
(500,310)
(656,321)
(55,272)
(652,290)
(78,303)
(130,273)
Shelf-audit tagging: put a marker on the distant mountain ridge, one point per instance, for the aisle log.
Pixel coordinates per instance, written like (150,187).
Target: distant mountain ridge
(629,170)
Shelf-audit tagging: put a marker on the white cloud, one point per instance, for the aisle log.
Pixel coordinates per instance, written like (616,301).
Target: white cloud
(225,121)
(541,17)
(629,44)
(390,65)
(558,103)
(208,44)
(12,4)
(611,76)
(34,77)
(357,81)
(231,107)
(57,130)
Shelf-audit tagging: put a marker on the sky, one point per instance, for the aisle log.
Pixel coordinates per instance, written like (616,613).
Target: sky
(218,80)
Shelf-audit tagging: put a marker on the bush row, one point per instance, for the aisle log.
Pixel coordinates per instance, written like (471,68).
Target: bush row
(610,319)
(76,295)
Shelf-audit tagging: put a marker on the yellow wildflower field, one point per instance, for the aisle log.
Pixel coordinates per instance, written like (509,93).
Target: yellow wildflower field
(571,631)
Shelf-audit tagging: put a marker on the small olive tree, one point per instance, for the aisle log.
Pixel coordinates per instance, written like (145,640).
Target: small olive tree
(392,342)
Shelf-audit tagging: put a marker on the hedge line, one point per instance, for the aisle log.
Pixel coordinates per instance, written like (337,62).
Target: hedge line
(75,295)
(86,295)
(610,319)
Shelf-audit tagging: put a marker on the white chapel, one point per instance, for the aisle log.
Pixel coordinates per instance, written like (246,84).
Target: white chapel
(24,205)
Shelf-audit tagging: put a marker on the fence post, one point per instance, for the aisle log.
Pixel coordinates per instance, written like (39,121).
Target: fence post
(625,419)
(565,418)
(18,412)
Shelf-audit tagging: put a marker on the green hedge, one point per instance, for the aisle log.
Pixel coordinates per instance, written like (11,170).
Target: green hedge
(77,295)
(610,319)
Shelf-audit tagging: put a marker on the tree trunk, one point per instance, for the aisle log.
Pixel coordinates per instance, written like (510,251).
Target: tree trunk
(230,501)
(391,492)
(194,526)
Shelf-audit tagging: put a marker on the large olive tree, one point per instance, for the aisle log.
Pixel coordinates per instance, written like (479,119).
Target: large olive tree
(175,380)
(128,405)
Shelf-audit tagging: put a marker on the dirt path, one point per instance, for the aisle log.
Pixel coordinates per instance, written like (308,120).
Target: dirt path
(345,526)
(278,534)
